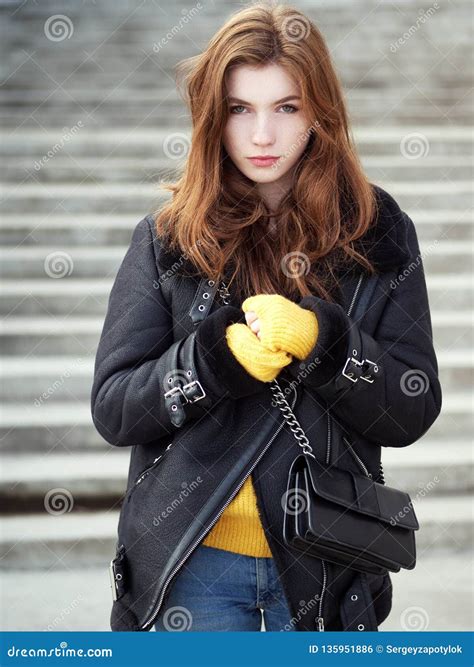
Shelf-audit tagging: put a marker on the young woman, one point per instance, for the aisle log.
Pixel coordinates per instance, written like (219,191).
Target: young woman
(249,275)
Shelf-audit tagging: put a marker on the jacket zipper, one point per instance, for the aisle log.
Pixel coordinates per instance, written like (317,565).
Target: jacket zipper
(357,458)
(149,622)
(146,472)
(320,618)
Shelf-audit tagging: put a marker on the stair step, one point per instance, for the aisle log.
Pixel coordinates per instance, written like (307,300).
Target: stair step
(116,230)
(120,142)
(16,94)
(449,291)
(94,475)
(135,170)
(70,539)
(109,197)
(50,379)
(68,424)
(427,466)
(85,261)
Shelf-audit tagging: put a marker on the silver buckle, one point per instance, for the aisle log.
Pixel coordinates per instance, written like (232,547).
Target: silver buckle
(366,377)
(113,582)
(203,393)
(174,390)
(353,361)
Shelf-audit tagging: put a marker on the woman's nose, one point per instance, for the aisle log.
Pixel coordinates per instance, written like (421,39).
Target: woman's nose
(263,133)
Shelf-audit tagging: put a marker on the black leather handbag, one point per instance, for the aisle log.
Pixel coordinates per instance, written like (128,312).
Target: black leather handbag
(343,516)
(347,518)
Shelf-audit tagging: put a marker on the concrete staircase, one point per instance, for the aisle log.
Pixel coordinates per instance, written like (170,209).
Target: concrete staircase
(71,198)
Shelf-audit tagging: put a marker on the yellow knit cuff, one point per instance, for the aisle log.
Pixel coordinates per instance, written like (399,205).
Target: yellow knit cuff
(284,325)
(259,361)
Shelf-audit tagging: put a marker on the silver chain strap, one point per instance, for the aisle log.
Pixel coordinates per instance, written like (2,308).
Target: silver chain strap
(278,395)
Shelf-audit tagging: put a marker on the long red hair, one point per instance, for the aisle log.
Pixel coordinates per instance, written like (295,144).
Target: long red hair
(216,216)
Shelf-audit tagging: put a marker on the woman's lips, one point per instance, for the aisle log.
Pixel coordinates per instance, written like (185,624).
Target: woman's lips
(263,161)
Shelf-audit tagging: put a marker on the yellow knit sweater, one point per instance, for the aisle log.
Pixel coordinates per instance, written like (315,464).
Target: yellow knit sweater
(286,331)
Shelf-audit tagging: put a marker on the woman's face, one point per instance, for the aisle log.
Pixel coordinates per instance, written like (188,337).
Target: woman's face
(265,120)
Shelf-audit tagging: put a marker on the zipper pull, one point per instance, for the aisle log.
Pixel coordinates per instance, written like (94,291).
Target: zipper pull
(320,623)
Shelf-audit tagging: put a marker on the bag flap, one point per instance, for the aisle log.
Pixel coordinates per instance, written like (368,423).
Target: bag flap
(361,494)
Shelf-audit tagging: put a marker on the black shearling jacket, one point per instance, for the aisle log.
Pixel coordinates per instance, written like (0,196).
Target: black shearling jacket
(167,386)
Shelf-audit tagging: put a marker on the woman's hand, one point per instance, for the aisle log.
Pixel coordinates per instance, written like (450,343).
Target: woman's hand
(280,324)
(259,361)
(253,322)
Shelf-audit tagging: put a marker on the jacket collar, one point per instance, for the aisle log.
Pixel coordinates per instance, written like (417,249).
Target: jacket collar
(385,243)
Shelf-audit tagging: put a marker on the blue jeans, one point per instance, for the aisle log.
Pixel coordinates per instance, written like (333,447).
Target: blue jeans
(219,590)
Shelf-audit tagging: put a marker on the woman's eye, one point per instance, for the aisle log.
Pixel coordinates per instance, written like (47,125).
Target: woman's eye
(290,106)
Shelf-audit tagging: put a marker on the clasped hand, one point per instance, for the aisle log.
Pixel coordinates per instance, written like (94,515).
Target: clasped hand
(276,331)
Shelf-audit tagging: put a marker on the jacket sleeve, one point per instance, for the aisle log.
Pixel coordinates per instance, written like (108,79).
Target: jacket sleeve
(404,397)
(137,362)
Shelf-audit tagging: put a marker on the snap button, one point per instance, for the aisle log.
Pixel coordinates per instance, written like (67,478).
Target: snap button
(360,626)
(354,597)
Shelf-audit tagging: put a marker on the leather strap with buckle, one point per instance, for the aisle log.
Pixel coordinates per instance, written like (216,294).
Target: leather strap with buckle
(181,391)
(356,367)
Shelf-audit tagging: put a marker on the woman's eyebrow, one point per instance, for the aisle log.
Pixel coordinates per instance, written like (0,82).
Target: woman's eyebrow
(284,99)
